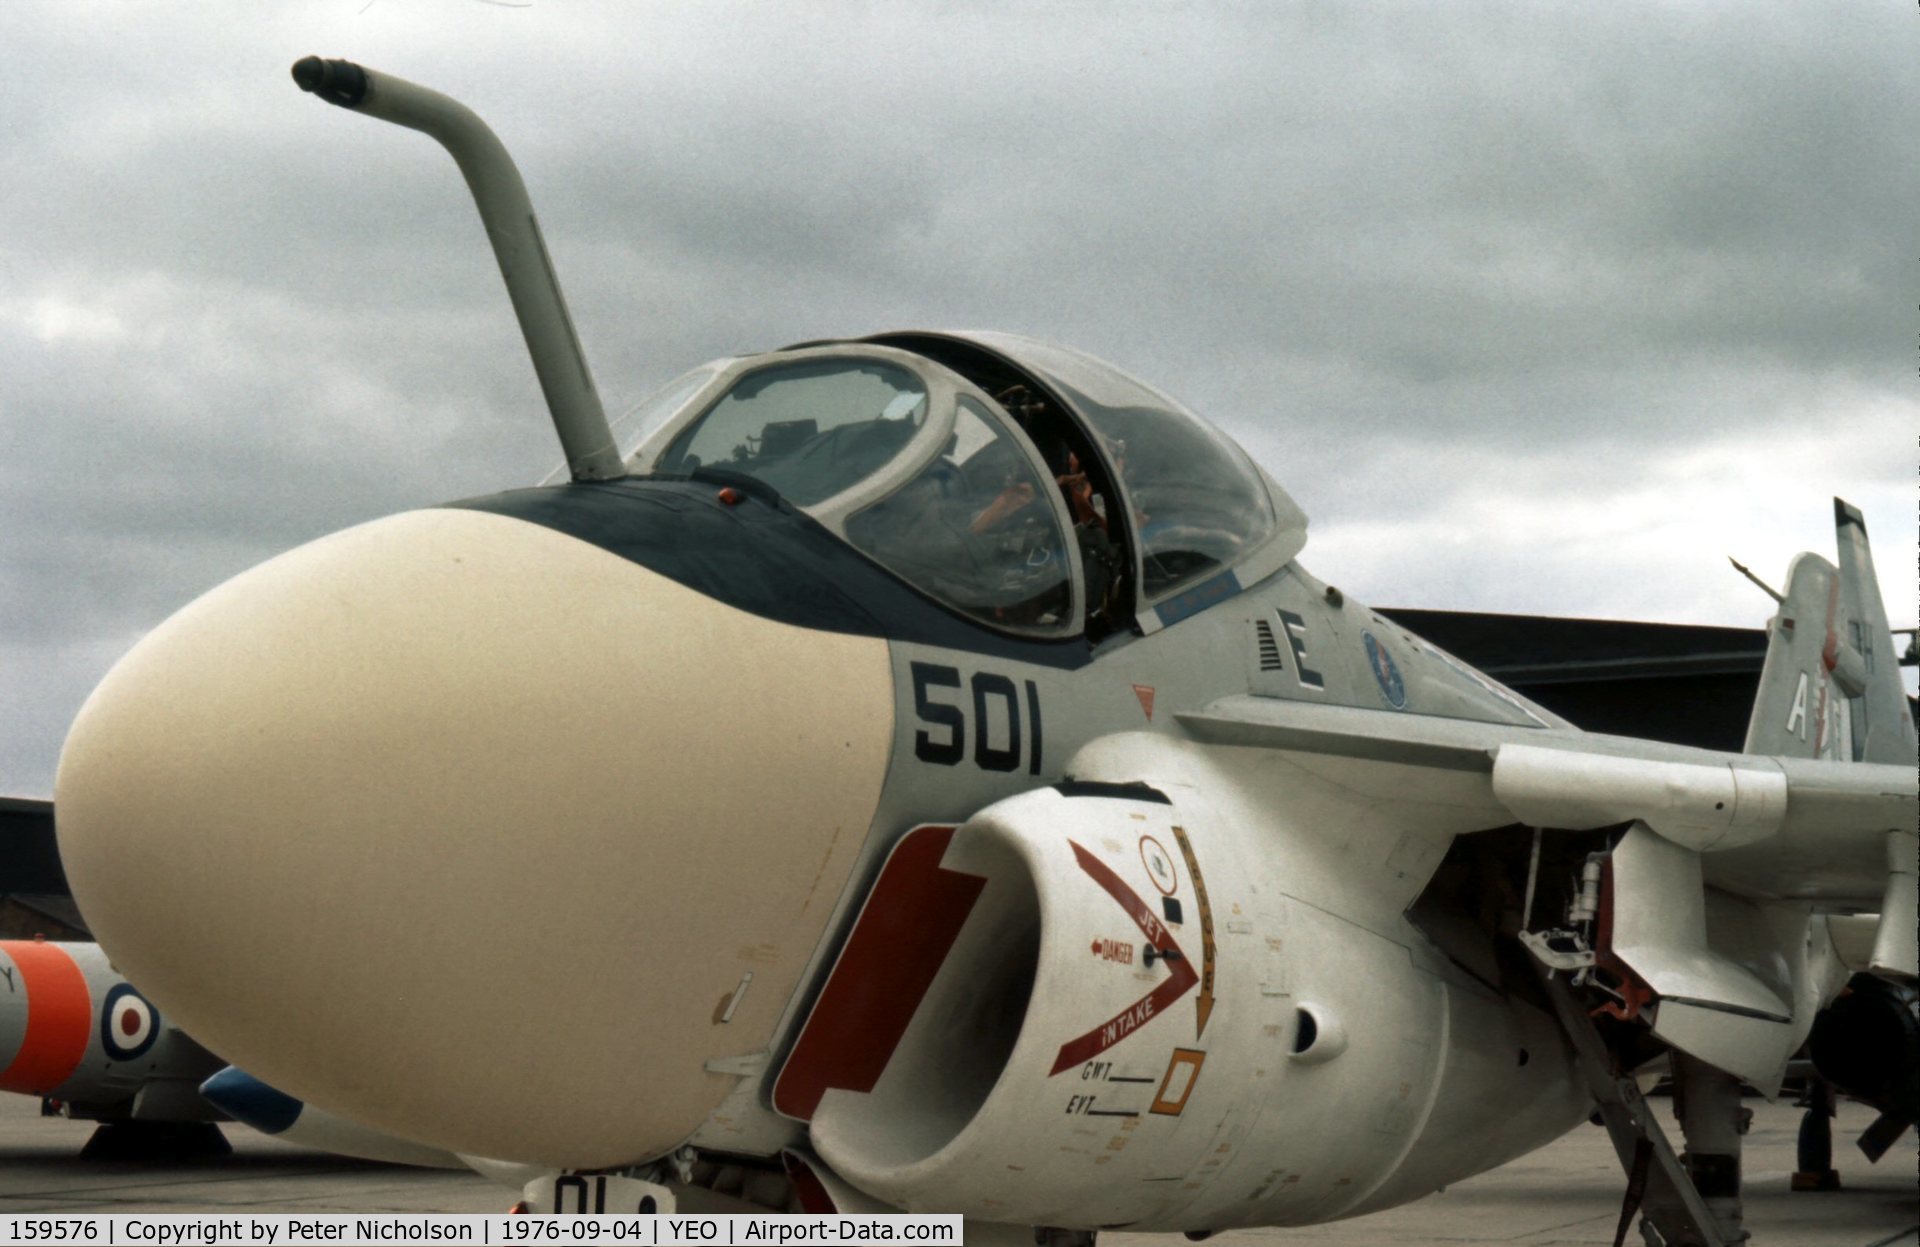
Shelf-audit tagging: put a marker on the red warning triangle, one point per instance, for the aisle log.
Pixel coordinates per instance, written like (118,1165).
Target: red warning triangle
(1145,693)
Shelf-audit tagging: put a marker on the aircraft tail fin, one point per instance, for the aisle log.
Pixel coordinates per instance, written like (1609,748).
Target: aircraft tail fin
(1800,710)
(1830,687)
(1882,720)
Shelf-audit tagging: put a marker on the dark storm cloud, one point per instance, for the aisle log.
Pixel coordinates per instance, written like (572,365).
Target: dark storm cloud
(1523,303)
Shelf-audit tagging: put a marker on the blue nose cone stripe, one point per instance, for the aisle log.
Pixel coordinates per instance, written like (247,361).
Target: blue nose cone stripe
(251,1102)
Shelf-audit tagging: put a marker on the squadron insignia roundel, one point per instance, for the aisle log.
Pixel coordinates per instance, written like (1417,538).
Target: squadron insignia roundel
(1159,866)
(1385,673)
(128,1024)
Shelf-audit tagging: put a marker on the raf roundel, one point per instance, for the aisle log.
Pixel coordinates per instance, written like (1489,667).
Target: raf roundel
(128,1024)
(1385,672)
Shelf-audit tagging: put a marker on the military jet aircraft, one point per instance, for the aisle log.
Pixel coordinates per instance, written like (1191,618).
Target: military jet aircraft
(917,772)
(83,1040)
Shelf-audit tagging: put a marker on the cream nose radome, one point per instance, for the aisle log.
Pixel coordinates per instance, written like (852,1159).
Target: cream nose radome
(473,832)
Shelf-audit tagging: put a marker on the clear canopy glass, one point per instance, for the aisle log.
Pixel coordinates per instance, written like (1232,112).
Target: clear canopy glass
(811,429)
(1198,504)
(934,485)
(639,422)
(977,528)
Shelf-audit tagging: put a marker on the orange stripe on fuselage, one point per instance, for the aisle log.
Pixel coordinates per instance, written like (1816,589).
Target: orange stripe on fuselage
(59,1018)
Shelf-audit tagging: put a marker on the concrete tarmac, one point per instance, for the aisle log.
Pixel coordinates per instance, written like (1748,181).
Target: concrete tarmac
(1566,1195)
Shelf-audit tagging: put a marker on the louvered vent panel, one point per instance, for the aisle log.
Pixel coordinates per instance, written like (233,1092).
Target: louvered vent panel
(1269,648)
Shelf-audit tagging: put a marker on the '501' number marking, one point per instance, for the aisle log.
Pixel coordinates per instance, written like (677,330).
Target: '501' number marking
(995,701)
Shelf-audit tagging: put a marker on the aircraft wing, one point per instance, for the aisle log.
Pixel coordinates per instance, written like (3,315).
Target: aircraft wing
(1700,833)
(1771,827)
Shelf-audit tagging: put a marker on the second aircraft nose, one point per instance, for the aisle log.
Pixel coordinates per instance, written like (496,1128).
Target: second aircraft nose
(475,832)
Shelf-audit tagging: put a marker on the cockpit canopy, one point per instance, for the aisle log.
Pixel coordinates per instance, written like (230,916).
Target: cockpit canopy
(812,429)
(1031,487)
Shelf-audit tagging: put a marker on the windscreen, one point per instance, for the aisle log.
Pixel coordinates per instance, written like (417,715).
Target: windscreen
(811,430)
(638,423)
(977,529)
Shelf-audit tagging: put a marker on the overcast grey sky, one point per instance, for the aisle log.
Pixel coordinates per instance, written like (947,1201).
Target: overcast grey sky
(1533,307)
